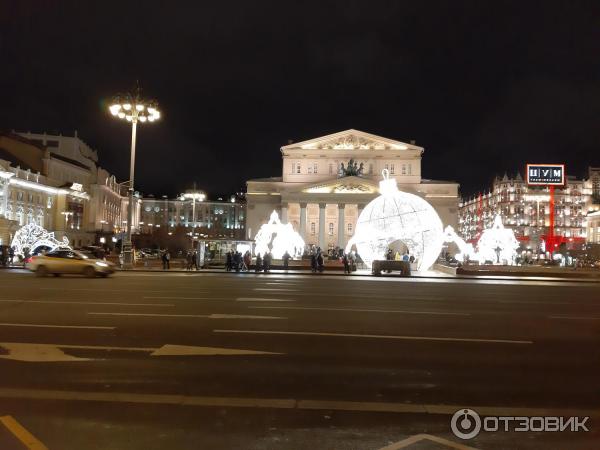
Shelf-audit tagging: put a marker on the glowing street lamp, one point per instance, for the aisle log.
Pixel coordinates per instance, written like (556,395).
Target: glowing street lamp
(133,109)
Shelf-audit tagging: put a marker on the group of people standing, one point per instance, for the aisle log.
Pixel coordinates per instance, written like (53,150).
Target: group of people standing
(234,261)
(191,259)
(7,255)
(406,256)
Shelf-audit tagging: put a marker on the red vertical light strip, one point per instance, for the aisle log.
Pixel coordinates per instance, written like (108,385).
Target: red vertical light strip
(479,215)
(551,230)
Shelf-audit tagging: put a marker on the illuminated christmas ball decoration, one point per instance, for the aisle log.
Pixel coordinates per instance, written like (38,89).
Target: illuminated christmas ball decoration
(398,216)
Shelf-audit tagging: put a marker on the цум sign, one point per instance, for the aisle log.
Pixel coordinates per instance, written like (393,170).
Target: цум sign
(546,174)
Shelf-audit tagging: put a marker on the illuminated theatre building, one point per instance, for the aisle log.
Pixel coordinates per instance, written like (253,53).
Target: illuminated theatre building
(526,210)
(326,182)
(53,181)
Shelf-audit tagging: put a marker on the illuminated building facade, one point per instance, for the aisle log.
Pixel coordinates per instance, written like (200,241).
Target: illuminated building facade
(526,210)
(206,219)
(54,181)
(327,181)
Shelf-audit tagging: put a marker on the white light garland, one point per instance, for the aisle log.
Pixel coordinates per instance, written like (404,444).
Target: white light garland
(32,236)
(496,244)
(276,238)
(398,216)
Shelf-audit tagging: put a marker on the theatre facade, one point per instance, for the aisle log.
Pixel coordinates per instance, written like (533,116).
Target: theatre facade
(327,181)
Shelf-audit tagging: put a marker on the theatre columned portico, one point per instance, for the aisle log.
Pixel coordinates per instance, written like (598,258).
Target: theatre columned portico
(326,182)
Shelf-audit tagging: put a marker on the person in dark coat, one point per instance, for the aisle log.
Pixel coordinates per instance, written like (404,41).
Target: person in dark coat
(313,262)
(267,262)
(320,262)
(228,262)
(286,260)
(194,261)
(346,263)
(258,265)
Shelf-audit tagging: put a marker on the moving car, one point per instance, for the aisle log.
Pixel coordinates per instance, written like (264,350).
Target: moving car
(69,261)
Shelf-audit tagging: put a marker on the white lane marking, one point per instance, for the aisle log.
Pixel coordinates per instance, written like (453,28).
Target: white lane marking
(203,316)
(573,318)
(275,289)
(186,298)
(36,353)
(36,325)
(191,350)
(379,336)
(426,437)
(311,308)
(258,299)
(31,352)
(65,302)
(101,290)
(283,403)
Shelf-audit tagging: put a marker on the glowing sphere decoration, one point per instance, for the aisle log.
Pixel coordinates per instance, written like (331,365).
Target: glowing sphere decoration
(398,216)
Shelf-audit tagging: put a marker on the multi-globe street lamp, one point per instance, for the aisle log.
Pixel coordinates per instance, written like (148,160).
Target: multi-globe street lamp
(133,109)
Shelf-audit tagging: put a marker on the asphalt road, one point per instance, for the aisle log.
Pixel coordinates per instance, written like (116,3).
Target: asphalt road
(245,361)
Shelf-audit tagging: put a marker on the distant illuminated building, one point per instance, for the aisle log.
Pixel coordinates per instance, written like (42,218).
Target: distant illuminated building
(206,218)
(526,210)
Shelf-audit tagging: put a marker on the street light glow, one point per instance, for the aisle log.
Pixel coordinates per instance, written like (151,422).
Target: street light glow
(134,109)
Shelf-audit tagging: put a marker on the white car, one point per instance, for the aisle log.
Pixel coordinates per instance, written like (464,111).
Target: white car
(69,261)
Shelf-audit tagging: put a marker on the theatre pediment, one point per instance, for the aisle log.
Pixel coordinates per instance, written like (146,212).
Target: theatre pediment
(351,140)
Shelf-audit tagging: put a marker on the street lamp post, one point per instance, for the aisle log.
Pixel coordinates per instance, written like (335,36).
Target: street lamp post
(133,109)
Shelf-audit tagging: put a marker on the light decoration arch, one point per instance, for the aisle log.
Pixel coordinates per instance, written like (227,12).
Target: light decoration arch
(33,236)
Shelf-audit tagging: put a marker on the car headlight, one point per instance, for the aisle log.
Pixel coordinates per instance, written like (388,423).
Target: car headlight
(101,264)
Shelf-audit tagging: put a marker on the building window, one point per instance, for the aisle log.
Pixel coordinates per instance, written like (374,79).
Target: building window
(312,228)
(19,196)
(330,169)
(315,166)
(309,168)
(330,229)
(298,167)
(349,228)
(403,169)
(410,169)
(386,167)
(49,203)
(392,169)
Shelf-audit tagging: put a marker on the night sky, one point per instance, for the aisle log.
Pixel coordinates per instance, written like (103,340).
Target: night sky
(484,86)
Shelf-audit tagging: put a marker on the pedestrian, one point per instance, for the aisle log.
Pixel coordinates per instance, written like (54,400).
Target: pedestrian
(257,267)
(267,262)
(247,260)
(228,261)
(194,261)
(320,261)
(11,255)
(237,261)
(286,260)
(313,261)
(188,259)
(346,263)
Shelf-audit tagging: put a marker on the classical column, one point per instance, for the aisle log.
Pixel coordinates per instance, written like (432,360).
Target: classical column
(302,230)
(360,209)
(322,226)
(341,225)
